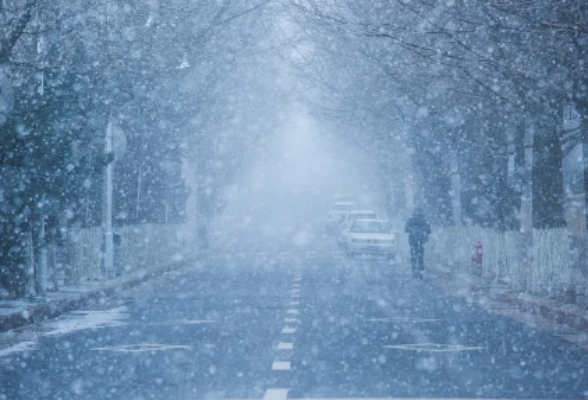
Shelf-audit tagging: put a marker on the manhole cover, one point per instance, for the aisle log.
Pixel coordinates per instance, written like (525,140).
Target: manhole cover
(404,320)
(433,347)
(143,347)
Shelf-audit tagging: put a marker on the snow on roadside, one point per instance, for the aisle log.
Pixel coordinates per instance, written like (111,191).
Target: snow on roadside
(87,320)
(22,346)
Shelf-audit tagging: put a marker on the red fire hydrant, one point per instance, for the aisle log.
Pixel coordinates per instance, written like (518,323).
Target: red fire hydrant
(477,257)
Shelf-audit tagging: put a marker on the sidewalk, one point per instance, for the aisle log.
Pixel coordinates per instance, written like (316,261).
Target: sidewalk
(568,321)
(17,313)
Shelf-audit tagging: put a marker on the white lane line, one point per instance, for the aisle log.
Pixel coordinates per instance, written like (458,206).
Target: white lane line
(294,303)
(291,320)
(285,346)
(288,330)
(281,366)
(276,394)
(295,295)
(292,311)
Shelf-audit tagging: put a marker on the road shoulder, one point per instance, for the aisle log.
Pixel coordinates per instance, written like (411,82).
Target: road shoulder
(19,313)
(567,321)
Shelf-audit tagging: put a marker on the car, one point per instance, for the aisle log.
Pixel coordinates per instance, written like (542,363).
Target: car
(348,220)
(337,213)
(371,236)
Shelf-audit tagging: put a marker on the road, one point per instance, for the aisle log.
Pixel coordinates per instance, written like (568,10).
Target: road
(288,323)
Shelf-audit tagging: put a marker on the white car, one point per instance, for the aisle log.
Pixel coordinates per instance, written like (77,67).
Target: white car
(350,217)
(371,236)
(337,213)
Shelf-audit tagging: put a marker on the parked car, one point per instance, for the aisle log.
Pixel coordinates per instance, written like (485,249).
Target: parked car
(337,212)
(350,217)
(371,236)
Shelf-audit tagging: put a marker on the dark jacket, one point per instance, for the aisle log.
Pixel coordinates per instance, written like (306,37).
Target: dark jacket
(417,228)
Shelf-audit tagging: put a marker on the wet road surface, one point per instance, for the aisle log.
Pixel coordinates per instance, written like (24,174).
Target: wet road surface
(287,324)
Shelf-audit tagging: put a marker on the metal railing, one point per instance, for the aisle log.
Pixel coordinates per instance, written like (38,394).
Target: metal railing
(551,268)
(141,246)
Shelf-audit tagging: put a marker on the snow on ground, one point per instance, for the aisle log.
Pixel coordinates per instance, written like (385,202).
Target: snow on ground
(87,320)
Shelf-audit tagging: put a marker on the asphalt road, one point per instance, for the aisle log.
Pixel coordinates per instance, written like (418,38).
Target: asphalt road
(289,323)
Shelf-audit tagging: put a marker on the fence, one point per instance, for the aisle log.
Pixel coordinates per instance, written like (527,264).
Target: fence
(141,246)
(552,267)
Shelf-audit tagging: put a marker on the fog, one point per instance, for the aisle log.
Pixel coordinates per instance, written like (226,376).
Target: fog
(169,177)
(289,182)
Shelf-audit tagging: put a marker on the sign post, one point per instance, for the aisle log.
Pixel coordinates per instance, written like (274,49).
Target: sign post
(115,144)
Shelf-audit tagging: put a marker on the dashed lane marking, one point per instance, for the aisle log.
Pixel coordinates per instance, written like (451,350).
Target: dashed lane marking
(294,303)
(281,366)
(291,320)
(292,311)
(285,346)
(276,394)
(288,330)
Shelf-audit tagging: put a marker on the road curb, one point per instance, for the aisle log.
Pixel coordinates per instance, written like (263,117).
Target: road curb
(575,317)
(41,312)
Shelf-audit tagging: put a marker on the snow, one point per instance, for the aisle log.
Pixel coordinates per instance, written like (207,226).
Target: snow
(87,320)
